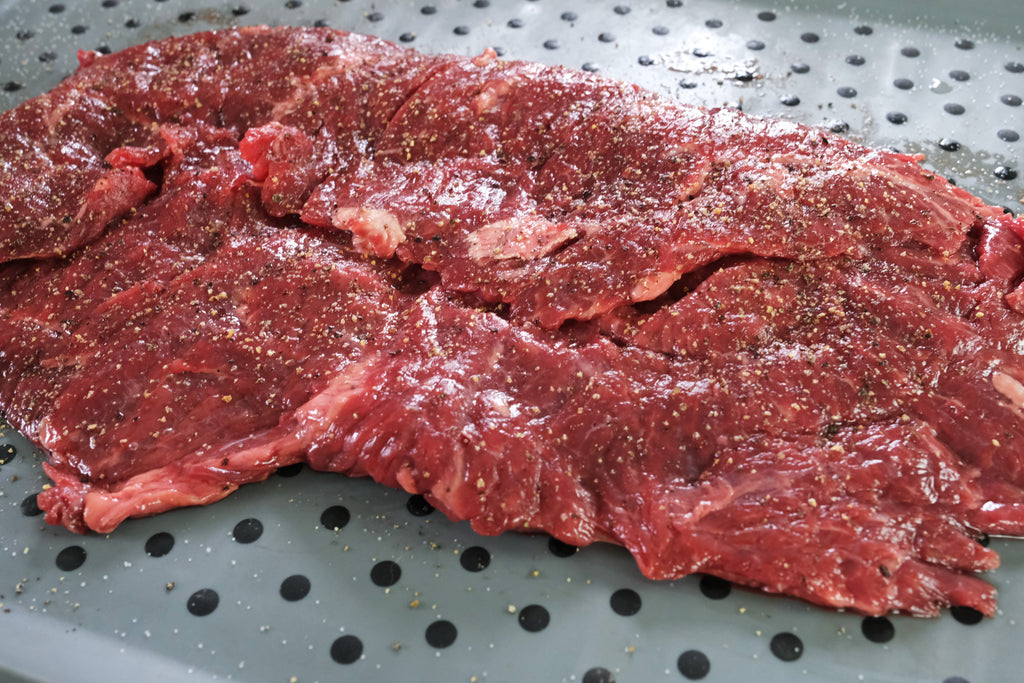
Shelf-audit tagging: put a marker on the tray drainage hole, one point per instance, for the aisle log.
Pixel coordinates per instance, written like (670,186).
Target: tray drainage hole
(693,665)
(295,587)
(598,674)
(534,618)
(441,634)
(877,629)
(626,602)
(386,573)
(787,646)
(248,530)
(475,559)
(203,602)
(71,558)
(159,544)
(418,506)
(335,517)
(346,649)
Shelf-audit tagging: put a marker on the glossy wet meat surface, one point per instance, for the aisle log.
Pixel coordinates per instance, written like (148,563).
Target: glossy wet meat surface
(545,300)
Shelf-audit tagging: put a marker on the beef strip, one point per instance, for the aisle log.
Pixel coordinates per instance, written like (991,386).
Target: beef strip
(546,301)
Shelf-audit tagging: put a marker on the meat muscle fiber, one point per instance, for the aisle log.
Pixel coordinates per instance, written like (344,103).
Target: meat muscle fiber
(545,300)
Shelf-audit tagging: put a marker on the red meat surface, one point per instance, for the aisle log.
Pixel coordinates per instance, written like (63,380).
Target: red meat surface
(545,300)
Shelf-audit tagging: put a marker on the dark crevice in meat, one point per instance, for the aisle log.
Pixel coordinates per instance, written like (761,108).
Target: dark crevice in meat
(543,300)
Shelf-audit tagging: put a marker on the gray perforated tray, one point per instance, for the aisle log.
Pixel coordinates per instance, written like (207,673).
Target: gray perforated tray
(395,594)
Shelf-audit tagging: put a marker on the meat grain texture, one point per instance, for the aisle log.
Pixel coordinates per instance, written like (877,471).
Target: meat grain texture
(545,300)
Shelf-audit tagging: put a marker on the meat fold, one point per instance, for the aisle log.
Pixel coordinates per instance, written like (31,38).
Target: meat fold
(547,301)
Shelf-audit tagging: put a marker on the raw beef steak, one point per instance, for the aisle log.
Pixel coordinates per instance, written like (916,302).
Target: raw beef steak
(545,300)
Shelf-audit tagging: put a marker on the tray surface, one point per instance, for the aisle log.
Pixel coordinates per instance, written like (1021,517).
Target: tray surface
(259,587)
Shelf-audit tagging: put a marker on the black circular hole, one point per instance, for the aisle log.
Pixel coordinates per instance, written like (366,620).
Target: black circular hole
(103,50)
(626,602)
(7,453)
(295,587)
(248,530)
(693,665)
(481,4)
(949,144)
(385,573)
(292,470)
(534,618)
(475,559)
(959,75)
(590,66)
(30,505)
(346,649)
(407,37)
(56,9)
(800,68)
(78,29)
(569,16)
(1004,173)
(789,100)
(551,44)
(598,674)
(335,517)
(966,615)
(12,86)
(621,9)
(1014,67)
(855,60)
(877,629)
(606,37)
(109,3)
(863,30)
(787,646)
(846,91)
(660,30)
(810,37)
(428,10)
(700,52)
(1007,135)
(964,44)
(461,30)
(441,634)
(687,84)
(240,10)
(766,16)
(955,679)
(24,35)
(839,126)
(713,23)
(186,17)
(375,16)
(755,44)
(417,505)
(714,588)
(896,117)
(71,558)
(159,544)
(561,549)
(903,83)
(674,3)
(645,60)
(293,4)
(1010,100)
(203,602)
(954,108)
(132,23)
(515,23)
(910,52)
